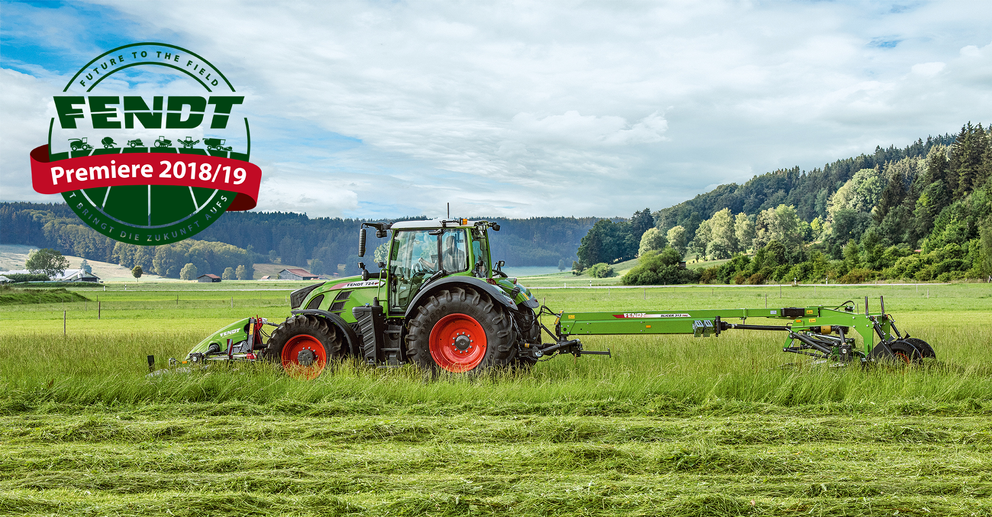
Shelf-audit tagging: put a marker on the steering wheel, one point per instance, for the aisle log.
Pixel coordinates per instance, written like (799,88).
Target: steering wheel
(421,267)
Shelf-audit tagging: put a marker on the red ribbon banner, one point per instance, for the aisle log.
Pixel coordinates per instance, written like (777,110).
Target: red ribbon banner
(113,170)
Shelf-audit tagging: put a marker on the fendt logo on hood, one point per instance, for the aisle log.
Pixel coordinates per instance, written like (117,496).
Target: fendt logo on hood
(148,169)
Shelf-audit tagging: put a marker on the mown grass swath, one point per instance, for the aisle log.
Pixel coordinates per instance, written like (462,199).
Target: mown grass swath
(667,426)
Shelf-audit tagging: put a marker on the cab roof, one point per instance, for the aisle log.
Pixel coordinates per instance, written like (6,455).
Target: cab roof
(431,224)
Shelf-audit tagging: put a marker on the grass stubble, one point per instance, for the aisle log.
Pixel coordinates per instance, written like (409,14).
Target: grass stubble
(667,426)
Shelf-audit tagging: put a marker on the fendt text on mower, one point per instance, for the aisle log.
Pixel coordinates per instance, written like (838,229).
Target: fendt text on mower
(440,303)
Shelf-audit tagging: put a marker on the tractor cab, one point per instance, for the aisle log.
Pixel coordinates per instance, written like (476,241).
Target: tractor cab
(422,252)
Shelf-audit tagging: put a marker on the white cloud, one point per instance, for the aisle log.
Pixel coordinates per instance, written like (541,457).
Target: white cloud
(575,130)
(548,108)
(928,69)
(23,98)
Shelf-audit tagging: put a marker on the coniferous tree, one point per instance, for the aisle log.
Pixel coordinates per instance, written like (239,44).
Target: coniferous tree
(641,222)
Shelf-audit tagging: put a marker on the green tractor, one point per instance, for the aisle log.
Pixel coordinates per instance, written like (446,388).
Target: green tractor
(440,303)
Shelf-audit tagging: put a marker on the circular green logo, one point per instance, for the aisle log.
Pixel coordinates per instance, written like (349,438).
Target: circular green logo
(174,138)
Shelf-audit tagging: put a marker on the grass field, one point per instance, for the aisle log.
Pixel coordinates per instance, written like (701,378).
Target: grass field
(667,426)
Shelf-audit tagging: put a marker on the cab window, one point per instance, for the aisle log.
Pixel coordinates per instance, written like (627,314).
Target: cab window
(480,254)
(454,251)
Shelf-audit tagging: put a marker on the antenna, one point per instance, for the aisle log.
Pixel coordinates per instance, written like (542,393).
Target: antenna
(449,210)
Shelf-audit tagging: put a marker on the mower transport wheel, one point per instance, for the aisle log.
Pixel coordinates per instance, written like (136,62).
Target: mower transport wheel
(902,352)
(460,330)
(303,345)
(926,351)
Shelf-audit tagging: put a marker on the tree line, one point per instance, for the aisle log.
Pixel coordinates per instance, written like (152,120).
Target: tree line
(324,245)
(807,192)
(921,213)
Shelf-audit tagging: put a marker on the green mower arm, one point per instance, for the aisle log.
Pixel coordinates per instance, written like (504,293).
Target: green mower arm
(706,322)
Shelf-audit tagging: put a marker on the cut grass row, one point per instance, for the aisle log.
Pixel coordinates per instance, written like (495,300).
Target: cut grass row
(142,462)
(13,296)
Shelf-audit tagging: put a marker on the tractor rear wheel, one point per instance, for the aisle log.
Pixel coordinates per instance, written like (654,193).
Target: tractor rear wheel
(304,345)
(901,352)
(460,330)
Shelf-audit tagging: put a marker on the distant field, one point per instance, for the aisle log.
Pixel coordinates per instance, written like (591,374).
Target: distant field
(13,256)
(667,426)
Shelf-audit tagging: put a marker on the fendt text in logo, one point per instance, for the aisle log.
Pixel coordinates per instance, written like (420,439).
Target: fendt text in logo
(151,168)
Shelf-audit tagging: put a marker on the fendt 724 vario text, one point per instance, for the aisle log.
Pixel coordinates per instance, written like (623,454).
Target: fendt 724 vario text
(440,303)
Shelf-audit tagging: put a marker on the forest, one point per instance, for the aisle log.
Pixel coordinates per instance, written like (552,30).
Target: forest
(920,213)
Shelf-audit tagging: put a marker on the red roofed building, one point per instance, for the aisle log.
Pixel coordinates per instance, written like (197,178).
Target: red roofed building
(296,274)
(208,278)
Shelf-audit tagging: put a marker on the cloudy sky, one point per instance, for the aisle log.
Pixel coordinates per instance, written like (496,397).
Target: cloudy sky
(521,109)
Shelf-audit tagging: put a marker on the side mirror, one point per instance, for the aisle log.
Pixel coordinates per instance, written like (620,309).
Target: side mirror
(361,242)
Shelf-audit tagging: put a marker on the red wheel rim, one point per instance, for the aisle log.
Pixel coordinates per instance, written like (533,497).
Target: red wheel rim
(304,356)
(904,356)
(458,343)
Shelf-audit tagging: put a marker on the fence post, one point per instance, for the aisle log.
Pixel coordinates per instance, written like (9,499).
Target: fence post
(64,313)
(99,308)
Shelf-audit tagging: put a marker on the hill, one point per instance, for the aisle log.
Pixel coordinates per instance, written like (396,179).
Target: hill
(807,191)
(13,256)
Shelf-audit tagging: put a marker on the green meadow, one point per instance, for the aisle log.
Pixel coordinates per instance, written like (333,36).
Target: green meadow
(669,425)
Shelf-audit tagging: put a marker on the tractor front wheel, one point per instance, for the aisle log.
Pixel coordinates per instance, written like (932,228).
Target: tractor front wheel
(304,345)
(460,330)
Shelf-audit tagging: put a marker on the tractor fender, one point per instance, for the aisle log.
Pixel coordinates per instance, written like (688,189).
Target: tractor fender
(354,343)
(493,291)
